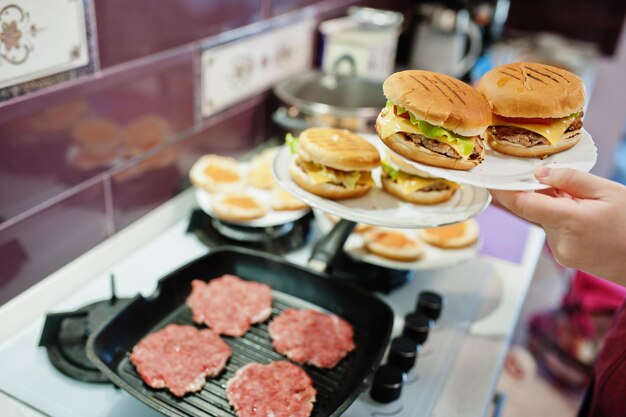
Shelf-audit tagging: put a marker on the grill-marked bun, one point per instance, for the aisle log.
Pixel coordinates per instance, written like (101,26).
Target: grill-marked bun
(503,146)
(339,149)
(326,190)
(237,207)
(526,89)
(454,236)
(393,244)
(440,100)
(416,153)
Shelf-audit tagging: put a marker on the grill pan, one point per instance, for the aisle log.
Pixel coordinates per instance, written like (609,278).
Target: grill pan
(292,287)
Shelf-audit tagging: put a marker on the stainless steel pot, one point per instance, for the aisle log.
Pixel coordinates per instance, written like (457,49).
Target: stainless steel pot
(315,99)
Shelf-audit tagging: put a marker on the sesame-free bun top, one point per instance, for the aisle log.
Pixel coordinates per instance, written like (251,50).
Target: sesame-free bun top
(338,148)
(440,100)
(527,89)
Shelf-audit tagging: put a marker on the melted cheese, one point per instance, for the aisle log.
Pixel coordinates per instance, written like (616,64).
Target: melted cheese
(390,124)
(323,175)
(411,183)
(553,132)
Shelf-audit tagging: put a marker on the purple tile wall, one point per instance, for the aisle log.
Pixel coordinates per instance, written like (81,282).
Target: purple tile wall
(132,29)
(56,141)
(37,246)
(154,180)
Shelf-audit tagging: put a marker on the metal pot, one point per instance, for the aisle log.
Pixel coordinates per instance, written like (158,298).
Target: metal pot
(315,99)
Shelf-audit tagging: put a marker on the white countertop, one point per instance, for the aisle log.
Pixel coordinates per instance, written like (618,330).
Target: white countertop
(141,254)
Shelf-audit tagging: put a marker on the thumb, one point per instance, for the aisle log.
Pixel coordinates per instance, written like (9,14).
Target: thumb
(575,183)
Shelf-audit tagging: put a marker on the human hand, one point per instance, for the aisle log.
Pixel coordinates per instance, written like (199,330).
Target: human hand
(584,217)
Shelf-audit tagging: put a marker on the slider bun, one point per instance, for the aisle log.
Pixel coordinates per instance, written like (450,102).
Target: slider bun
(537,151)
(327,190)
(339,149)
(454,236)
(527,89)
(282,200)
(214,173)
(237,207)
(440,100)
(260,173)
(409,150)
(411,251)
(417,197)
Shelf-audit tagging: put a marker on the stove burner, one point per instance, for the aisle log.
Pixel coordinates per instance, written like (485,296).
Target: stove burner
(65,336)
(277,240)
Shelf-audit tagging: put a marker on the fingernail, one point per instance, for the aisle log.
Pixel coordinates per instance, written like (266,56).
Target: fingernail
(542,172)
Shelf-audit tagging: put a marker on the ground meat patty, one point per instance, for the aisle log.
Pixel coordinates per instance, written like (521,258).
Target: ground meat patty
(443,148)
(526,137)
(280,389)
(230,305)
(309,336)
(179,358)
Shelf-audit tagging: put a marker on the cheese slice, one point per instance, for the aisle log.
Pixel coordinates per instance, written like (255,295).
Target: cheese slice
(390,124)
(411,183)
(553,132)
(322,175)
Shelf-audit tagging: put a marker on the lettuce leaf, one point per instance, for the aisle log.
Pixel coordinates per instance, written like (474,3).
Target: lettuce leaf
(293,142)
(350,180)
(391,171)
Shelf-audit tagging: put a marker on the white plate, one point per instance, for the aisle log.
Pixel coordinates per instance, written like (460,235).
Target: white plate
(381,209)
(504,172)
(272,218)
(433,258)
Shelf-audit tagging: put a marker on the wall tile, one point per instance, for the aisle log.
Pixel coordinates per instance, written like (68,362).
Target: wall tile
(152,181)
(35,247)
(284,6)
(56,140)
(132,29)
(43,41)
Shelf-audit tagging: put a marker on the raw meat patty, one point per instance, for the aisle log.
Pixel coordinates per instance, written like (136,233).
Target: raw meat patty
(179,358)
(280,389)
(229,304)
(313,337)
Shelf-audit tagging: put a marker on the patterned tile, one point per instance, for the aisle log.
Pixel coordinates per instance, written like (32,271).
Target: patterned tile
(153,180)
(53,142)
(33,248)
(132,29)
(42,43)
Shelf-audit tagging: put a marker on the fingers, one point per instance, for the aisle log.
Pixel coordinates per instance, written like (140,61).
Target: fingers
(573,182)
(534,207)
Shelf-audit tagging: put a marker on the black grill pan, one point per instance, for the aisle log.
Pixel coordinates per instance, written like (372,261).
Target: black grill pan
(293,287)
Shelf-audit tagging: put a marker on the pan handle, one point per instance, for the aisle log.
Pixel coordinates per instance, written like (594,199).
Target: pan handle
(330,245)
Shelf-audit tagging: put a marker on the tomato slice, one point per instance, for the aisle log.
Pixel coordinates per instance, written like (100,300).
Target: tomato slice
(528,120)
(404,115)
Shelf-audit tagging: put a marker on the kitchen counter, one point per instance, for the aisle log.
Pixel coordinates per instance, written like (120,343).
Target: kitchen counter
(144,252)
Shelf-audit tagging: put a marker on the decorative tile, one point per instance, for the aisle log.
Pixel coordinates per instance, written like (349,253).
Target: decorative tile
(39,39)
(234,71)
(33,248)
(51,142)
(153,180)
(131,29)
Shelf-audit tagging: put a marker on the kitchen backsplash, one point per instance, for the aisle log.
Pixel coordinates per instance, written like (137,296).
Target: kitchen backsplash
(106,104)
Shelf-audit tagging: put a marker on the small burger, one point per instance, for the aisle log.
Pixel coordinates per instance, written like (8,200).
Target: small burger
(410,184)
(333,163)
(433,119)
(537,109)
(454,236)
(393,244)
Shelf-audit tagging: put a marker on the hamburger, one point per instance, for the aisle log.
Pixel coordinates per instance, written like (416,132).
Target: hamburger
(333,163)
(410,184)
(433,119)
(537,109)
